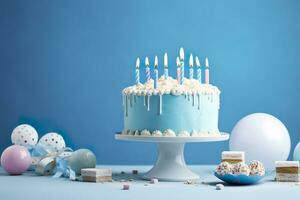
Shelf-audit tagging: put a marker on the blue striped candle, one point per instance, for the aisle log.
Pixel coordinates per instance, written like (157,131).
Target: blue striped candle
(137,71)
(199,78)
(181,57)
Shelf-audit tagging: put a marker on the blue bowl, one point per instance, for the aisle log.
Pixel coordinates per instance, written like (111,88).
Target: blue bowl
(239,179)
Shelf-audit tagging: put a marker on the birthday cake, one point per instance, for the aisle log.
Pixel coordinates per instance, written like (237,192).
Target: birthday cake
(171,107)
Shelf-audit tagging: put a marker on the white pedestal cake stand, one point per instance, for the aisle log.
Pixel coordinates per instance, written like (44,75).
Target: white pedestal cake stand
(170,164)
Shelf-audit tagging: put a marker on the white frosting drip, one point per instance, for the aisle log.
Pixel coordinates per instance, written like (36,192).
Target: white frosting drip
(171,86)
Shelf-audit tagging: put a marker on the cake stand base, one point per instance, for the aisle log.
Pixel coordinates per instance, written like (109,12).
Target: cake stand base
(170,164)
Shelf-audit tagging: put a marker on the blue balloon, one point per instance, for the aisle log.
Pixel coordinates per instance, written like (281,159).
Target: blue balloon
(296,155)
(82,158)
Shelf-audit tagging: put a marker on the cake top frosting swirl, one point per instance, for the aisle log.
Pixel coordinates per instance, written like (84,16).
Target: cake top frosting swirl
(171,86)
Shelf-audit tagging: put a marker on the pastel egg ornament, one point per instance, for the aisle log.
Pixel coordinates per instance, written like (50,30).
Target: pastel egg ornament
(15,159)
(25,135)
(53,140)
(82,158)
(296,155)
(262,137)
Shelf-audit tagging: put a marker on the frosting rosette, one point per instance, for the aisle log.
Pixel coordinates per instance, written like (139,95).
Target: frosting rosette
(171,86)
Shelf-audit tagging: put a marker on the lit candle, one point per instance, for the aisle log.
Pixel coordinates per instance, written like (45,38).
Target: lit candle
(166,71)
(181,57)
(191,63)
(137,71)
(147,69)
(206,71)
(198,70)
(178,69)
(155,72)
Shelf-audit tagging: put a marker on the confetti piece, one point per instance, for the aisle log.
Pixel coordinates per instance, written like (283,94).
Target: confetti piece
(125,187)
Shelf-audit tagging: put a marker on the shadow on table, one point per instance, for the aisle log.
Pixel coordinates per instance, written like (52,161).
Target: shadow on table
(214,183)
(123,177)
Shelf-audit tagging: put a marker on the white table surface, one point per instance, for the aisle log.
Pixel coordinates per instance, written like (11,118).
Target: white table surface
(30,186)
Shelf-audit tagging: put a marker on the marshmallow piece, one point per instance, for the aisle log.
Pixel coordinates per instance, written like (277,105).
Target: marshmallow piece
(219,186)
(233,156)
(256,168)
(241,168)
(154,181)
(224,168)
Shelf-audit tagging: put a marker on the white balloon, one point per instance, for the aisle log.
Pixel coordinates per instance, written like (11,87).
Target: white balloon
(262,137)
(53,140)
(24,134)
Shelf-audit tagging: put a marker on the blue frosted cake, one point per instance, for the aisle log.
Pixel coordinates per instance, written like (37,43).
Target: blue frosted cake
(171,107)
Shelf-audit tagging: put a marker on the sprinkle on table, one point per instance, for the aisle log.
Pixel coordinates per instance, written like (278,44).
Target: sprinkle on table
(126,187)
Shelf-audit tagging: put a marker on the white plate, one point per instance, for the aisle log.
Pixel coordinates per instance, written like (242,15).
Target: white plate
(222,137)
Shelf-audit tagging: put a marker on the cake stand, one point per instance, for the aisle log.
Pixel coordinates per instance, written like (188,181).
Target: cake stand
(170,164)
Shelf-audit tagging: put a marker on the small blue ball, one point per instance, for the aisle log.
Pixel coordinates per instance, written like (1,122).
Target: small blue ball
(296,155)
(82,158)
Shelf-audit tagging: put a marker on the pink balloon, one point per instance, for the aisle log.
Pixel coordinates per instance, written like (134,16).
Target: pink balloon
(15,159)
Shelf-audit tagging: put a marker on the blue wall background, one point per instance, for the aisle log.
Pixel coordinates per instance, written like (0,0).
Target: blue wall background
(63,65)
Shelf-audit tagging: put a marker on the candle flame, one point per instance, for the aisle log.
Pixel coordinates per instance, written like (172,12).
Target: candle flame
(137,64)
(166,60)
(197,61)
(206,62)
(147,62)
(177,62)
(155,61)
(181,54)
(191,60)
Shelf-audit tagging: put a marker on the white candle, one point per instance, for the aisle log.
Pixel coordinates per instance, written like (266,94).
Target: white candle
(191,63)
(166,71)
(198,69)
(206,71)
(147,69)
